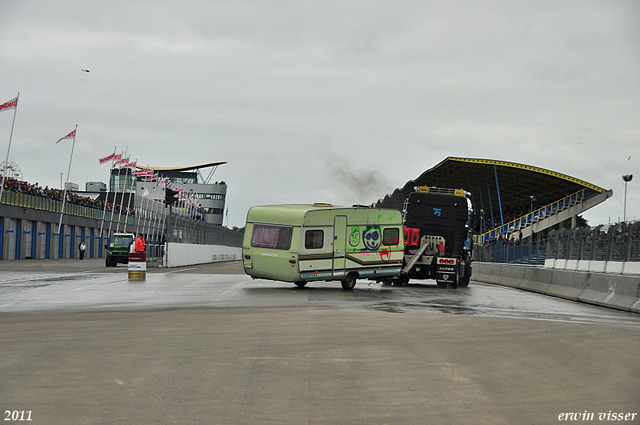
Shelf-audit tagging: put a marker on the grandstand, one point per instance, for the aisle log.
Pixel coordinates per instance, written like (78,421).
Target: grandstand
(509,198)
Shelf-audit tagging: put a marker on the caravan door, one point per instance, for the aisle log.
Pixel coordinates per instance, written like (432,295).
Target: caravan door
(339,245)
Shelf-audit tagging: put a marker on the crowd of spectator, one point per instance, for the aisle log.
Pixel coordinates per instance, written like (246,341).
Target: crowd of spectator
(18,186)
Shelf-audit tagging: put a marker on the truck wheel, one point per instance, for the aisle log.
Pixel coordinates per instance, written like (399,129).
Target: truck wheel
(350,281)
(300,284)
(463,281)
(107,262)
(456,281)
(401,281)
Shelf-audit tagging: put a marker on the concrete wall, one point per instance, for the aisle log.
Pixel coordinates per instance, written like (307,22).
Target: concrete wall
(617,291)
(182,254)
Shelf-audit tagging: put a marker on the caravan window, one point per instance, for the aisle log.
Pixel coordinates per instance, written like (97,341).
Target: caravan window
(391,237)
(271,236)
(313,239)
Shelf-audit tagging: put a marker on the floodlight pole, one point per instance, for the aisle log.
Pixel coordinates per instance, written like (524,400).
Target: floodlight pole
(627,178)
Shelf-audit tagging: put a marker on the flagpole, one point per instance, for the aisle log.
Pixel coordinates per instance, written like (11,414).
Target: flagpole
(154,223)
(146,216)
(115,193)
(156,215)
(133,180)
(64,195)
(140,214)
(146,225)
(6,161)
(106,200)
(124,186)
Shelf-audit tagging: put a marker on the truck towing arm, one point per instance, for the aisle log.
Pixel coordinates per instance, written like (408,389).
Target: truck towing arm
(428,246)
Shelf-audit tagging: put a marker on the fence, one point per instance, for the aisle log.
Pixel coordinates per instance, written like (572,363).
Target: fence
(527,253)
(181,229)
(150,219)
(619,242)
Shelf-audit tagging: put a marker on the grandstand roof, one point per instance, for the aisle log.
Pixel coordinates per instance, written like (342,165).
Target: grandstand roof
(483,177)
(189,168)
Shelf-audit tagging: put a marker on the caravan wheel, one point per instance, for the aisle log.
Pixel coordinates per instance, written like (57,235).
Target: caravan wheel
(350,281)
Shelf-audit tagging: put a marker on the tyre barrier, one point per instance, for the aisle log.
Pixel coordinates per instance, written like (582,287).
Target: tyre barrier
(621,292)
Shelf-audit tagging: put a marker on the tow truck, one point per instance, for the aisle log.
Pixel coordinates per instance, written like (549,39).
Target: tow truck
(438,237)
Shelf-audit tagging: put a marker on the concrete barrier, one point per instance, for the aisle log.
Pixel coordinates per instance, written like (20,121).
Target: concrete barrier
(536,279)
(631,268)
(583,265)
(614,267)
(617,291)
(182,254)
(567,284)
(620,292)
(510,277)
(609,267)
(597,266)
(571,265)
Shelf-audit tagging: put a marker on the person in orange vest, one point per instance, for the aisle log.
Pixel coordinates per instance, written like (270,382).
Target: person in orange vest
(139,244)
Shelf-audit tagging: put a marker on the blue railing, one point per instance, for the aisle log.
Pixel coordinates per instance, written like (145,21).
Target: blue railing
(537,215)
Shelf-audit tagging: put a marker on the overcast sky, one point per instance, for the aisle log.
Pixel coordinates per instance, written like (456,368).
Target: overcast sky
(325,101)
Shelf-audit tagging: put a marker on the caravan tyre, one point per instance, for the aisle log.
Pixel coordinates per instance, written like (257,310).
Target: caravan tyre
(350,281)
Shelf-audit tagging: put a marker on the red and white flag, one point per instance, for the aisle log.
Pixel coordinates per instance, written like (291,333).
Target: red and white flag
(71,135)
(107,158)
(122,162)
(12,104)
(162,182)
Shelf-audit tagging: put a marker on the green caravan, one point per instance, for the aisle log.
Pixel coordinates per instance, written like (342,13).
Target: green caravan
(322,242)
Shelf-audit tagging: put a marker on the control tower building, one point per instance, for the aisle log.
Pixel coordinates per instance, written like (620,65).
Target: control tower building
(193,182)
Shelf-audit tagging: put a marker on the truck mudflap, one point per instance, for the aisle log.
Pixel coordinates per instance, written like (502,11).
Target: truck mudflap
(447,271)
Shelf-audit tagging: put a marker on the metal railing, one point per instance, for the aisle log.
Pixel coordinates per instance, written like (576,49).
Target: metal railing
(617,242)
(526,253)
(537,215)
(24,200)
(183,229)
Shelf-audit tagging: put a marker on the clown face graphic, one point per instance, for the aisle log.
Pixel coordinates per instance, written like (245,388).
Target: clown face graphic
(372,238)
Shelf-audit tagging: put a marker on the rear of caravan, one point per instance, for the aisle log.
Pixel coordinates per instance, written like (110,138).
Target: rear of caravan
(271,238)
(320,242)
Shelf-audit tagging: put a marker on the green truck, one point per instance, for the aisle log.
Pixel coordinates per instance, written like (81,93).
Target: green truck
(322,242)
(118,249)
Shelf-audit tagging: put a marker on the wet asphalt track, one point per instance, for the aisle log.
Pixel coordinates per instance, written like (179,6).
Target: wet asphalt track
(90,287)
(207,344)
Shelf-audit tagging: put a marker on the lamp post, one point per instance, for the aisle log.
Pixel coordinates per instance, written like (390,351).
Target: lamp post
(533,198)
(626,178)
